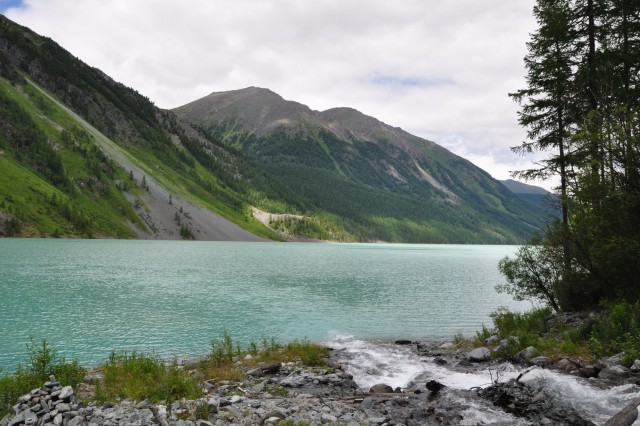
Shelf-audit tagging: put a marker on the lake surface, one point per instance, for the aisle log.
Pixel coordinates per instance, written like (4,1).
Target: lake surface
(88,297)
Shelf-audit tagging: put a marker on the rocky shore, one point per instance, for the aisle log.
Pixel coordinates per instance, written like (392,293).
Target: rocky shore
(292,394)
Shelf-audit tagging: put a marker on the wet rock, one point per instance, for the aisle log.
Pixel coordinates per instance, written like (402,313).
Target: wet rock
(403,342)
(531,404)
(434,386)
(627,416)
(589,371)
(540,361)
(464,362)
(440,361)
(614,373)
(381,388)
(480,355)
(568,366)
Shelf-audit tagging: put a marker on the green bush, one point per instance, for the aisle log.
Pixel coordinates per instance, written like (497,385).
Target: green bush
(510,323)
(42,362)
(618,332)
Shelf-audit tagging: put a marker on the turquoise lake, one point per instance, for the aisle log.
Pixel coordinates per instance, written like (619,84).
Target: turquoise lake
(89,297)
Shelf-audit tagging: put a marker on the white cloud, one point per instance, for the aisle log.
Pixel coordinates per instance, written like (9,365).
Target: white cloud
(440,70)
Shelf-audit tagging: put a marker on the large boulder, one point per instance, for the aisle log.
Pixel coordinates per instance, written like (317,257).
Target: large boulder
(480,355)
(568,366)
(614,373)
(627,416)
(526,354)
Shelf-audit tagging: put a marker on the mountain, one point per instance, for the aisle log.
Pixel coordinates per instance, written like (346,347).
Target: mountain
(534,194)
(375,181)
(84,156)
(523,188)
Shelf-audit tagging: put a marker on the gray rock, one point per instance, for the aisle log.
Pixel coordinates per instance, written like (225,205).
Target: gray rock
(568,366)
(65,393)
(480,355)
(627,416)
(63,407)
(614,360)
(526,354)
(540,361)
(635,368)
(76,421)
(236,399)
(293,380)
(255,372)
(367,402)
(328,418)
(19,418)
(381,388)
(447,345)
(614,373)
(57,420)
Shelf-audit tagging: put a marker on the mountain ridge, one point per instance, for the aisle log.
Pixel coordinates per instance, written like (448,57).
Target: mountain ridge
(347,149)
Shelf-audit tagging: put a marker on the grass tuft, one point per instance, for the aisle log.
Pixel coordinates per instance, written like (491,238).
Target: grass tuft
(138,377)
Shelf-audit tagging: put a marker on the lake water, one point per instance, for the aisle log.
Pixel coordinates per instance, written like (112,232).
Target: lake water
(88,297)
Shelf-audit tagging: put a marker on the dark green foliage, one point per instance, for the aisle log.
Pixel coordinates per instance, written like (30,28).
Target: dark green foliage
(186,233)
(533,274)
(619,331)
(29,144)
(583,102)
(12,227)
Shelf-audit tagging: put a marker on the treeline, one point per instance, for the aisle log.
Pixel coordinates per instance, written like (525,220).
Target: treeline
(582,104)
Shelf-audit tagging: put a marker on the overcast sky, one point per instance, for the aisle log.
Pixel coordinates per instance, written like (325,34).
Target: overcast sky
(438,69)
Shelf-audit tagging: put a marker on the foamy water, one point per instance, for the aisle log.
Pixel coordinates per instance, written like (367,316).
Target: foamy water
(372,362)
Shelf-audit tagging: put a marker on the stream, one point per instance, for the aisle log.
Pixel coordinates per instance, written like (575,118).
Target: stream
(372,362)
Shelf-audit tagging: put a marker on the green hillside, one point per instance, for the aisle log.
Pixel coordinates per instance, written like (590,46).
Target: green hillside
(84,156)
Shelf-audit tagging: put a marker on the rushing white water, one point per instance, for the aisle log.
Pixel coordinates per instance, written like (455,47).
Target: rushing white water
(373,362)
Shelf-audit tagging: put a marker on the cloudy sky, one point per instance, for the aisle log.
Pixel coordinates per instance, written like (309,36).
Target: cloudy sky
(438,69)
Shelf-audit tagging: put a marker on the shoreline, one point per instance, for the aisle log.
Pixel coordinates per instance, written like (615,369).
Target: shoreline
(290,393)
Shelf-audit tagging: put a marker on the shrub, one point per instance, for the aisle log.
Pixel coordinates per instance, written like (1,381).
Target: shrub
(42,362)
(618,332)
